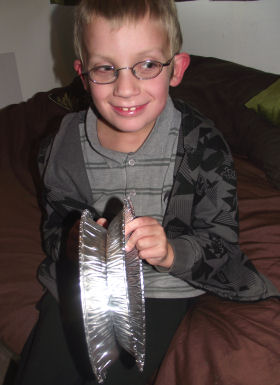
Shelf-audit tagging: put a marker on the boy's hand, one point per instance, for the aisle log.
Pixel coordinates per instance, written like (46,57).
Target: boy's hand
(149,237)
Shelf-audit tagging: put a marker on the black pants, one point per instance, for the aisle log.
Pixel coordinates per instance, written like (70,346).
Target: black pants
(56,355)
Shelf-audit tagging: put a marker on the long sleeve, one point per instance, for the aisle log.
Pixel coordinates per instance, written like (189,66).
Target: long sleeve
(201,221)
(65,193)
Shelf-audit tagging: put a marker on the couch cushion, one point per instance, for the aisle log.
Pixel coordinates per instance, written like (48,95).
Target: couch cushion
(220,89)
(21,127)
(267,103)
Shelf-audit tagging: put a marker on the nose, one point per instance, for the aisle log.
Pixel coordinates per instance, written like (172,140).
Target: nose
(127,84)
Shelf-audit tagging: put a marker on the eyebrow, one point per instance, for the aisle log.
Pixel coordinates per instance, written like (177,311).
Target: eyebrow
(151,52)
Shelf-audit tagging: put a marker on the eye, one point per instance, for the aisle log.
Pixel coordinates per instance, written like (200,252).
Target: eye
(149,65)
(102,74)
(147,69)
(103,69)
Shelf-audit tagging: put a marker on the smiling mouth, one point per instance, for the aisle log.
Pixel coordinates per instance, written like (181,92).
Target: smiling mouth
(130,110)
(126,109)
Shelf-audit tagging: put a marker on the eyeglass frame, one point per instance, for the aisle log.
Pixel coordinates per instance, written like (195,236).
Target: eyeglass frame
(116,70)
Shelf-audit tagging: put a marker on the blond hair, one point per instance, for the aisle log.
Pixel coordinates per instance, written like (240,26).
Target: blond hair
(120,11)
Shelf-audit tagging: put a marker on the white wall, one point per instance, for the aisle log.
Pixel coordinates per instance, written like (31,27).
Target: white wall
(245,32)
(40,36)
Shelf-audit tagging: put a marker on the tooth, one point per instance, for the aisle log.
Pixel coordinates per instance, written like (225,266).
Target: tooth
(132,108)
(125,109)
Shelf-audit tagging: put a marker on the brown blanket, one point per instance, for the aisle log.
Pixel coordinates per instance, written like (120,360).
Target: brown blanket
(226,343)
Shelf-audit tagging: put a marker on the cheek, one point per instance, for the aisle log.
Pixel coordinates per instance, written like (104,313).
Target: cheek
(161,89)
(158,89)
(98,94)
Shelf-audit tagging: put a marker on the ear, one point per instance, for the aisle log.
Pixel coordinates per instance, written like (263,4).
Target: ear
(181,63)
(78,67)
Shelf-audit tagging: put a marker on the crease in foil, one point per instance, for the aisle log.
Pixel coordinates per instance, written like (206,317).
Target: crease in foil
(112,292)
(126,287)
(98,324)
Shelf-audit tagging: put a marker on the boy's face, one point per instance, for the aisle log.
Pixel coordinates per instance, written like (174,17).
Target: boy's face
(130,104)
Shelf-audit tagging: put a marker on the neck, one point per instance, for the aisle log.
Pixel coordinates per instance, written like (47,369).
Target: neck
(113,139)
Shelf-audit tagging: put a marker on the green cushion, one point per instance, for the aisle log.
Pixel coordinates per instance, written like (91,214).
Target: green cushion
(267,103)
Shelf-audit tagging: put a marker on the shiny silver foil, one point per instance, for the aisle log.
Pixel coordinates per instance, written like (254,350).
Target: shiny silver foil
(126,287)
(112,292)
(98,324)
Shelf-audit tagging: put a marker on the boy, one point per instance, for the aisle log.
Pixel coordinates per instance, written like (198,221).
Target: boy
(170,160)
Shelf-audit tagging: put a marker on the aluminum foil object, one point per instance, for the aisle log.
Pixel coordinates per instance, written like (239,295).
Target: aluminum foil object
(112,292)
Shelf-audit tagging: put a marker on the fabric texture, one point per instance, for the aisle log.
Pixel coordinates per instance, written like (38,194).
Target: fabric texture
(56,353)
(145,176)
(267,103)
(212,327)
(21,128)
(226,342)
(209,260)
(219,89)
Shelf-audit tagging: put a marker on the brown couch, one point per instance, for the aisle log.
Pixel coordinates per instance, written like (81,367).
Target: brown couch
(219,342)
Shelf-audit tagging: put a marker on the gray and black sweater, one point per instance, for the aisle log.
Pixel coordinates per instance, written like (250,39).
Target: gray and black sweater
(201,217)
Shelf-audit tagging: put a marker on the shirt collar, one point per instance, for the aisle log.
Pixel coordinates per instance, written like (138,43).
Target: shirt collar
(155,144)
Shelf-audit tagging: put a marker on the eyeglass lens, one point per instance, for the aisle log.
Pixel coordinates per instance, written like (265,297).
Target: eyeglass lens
(143,70)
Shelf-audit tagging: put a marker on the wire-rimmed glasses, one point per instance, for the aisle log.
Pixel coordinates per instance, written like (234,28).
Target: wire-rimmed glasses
(143,70)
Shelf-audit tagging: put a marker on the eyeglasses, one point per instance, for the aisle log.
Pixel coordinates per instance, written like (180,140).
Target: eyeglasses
(143,70)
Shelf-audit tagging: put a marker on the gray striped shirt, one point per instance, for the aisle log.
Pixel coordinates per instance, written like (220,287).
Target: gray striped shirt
(146,176)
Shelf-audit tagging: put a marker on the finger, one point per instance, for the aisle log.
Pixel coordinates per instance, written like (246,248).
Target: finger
(102,222)
(144,236)
(151,242)
(139,222)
